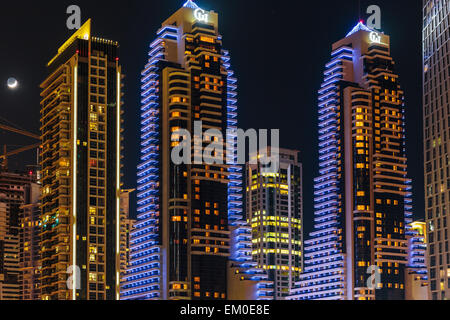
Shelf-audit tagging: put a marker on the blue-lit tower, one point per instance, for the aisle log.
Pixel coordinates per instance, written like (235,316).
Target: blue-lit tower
(362,194)
(181,245)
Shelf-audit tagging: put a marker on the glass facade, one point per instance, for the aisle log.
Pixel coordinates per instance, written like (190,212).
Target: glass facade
(436,112)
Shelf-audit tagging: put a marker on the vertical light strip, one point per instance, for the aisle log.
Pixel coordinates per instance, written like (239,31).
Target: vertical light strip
(74,182)
(118,191)
(290,228)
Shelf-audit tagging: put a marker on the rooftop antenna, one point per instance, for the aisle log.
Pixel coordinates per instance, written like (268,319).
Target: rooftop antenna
(359,11)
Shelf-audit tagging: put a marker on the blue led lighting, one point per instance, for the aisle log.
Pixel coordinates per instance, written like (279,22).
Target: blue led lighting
(190,4)
(360,26)
(143,278)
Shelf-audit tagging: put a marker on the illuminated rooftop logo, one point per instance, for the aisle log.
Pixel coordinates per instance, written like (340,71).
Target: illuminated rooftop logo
(375,37)
(201,15)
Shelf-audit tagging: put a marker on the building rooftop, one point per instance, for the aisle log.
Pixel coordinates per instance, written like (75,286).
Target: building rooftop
(358,27)
(190,4)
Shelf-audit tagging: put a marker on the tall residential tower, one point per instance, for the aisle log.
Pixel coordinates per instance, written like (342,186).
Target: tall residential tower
(180,246)
(362,194)
(19,236)
(275,211)
(81,139)
(12,198)
(436,115)
(30,261)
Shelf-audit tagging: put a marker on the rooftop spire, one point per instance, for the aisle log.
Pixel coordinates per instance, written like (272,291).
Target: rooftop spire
(190,4)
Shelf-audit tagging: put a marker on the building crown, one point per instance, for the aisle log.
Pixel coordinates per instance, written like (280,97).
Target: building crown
(358,27)
(190,4)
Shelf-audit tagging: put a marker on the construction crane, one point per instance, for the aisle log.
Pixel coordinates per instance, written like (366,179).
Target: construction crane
(22,132)
(6,154)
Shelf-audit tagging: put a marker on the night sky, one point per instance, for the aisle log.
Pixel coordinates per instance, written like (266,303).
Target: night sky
(278,50)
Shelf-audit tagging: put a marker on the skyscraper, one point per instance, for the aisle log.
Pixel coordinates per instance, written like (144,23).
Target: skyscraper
(12,198)
(81,138)
(275,211)
(362,194)
(30,240)
(19,236)
(180,247)
(436,64)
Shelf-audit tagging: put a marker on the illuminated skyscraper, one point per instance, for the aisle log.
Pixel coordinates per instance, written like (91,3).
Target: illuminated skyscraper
(275,211)
(19,236)
(30,240)
(362,194)
(12,198)
(180,247)
(81,138)
(126,226)
(436,115)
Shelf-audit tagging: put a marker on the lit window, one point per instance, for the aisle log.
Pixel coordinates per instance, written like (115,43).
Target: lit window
(207,39)
(92,277)
(177,286)
(93,117)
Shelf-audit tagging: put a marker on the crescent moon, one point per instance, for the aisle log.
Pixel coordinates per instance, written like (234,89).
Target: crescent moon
(12,84)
